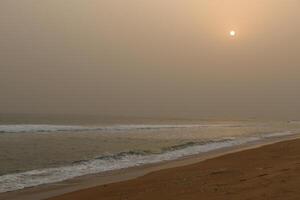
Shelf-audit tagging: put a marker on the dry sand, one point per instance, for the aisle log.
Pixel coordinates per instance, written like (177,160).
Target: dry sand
(269,172)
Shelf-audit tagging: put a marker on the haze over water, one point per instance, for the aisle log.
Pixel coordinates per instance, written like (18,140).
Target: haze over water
(98,85)
(167,58)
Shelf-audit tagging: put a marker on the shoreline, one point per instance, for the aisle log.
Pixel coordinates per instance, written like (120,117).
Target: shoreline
(121,175)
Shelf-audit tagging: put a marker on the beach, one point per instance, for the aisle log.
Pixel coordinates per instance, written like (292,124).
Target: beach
(149,100)
(67,159)
(35,154)
(268,172)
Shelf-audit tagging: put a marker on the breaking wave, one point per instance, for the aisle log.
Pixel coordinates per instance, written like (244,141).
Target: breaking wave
(45,128)
(103,163)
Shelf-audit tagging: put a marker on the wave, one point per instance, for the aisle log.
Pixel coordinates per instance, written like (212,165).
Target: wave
(103,163)
(45,128)
(279,134)
(26,128)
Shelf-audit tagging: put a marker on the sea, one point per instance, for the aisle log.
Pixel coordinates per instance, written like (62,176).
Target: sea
(39,152)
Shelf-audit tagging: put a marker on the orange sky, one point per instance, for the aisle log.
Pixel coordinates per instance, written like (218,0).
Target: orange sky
(149,58)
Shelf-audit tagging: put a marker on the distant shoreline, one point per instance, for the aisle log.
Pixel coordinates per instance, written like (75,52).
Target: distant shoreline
(89,181)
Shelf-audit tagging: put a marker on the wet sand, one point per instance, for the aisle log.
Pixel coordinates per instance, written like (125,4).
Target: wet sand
(268,172)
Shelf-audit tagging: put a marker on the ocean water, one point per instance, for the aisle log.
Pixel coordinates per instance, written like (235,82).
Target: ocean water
(35,154)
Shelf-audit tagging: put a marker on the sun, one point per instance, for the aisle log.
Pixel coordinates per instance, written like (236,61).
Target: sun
(232,33)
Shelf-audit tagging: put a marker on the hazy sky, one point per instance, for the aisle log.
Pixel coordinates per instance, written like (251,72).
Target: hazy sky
(151,57)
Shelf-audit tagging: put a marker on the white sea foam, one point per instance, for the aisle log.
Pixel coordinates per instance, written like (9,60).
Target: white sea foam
(24,128)
(12,182)
(37,177)
(279,134)
(45,128)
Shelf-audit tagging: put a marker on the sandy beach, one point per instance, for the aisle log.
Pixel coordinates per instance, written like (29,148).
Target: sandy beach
(268,172)
(149,100)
